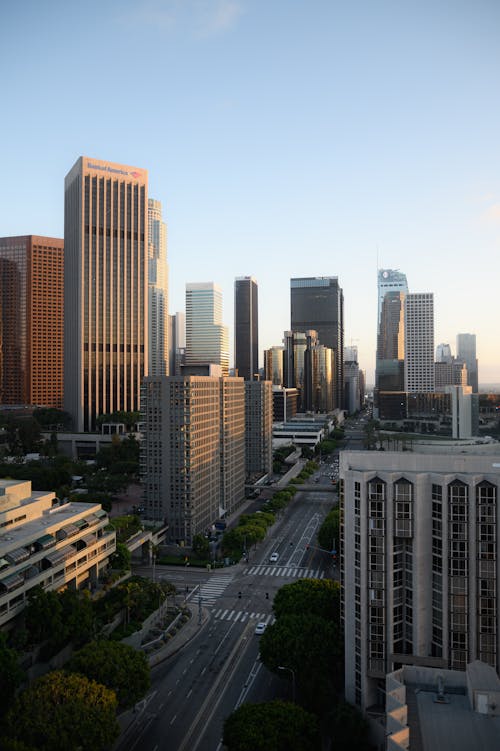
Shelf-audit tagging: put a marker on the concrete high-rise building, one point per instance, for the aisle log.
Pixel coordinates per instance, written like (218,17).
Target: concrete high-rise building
(419,564)
(192,451)
(176,342)
(419,342)
(106,289)
(273,365)
(466,351)
(232,443)
(158,291)
(246,328)
(258,428)
(452,373)
(317,303)
(285,401)
(207,339)
(32,320)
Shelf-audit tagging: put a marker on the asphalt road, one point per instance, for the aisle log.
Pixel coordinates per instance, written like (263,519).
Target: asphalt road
(196,689)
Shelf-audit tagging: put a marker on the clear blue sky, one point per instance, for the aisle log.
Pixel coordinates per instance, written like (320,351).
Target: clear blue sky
(283,137)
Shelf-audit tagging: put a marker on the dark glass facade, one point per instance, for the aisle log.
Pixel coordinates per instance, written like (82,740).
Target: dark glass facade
(246,328)
(317,303)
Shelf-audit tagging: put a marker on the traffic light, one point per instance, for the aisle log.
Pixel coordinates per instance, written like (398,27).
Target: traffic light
(239,595)
(267,595)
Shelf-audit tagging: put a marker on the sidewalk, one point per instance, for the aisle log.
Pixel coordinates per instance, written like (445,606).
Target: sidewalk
(186,632)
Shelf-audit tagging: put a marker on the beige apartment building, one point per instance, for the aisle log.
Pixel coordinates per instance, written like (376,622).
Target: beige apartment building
(192,451)
(49,543)
(419,564)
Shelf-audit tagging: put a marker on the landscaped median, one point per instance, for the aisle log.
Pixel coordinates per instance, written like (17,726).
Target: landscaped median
(252,528)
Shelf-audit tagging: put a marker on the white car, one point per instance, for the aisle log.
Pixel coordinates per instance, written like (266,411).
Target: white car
(260,628)
(274,558)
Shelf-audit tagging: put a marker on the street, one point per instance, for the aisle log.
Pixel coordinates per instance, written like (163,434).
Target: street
(196,689)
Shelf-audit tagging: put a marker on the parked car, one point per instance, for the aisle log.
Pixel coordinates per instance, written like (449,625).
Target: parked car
(260,628)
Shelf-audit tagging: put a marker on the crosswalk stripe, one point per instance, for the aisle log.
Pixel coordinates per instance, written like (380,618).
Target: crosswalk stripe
(212,589)
(286,571)
(243,615)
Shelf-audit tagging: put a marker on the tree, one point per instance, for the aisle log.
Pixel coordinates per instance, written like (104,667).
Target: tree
(116,666)
(29,434)
(273,726)
(61,712)
(77,616)
(319,597)
(201,546)
(59,617)
(348,729)
(328,533)
(50,418)
(43,616)
(129,419)
(11,675)
(313,648)
(121,558)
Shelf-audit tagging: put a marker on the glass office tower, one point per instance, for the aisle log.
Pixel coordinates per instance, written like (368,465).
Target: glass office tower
(246,327)
(158,291)
(317,303)
(207,339)
(466,352)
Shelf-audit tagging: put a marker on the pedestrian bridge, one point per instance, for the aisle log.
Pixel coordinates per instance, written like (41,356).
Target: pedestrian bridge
(305,488)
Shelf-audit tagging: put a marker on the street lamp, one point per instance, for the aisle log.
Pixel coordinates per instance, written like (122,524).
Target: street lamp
(282,667)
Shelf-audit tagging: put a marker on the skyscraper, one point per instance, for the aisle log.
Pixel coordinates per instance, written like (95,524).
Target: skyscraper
(443,354)
(207,339)
(389,369)
(390,280)
(31,320)
(246,327)
(419,342)
(158,291)
(106,289)
(466,351)
(176,342)
(317,303)
(273,365)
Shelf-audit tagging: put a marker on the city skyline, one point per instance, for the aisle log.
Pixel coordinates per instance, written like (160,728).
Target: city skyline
(352,141)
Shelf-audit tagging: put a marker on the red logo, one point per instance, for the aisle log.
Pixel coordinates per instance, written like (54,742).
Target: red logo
(136,174)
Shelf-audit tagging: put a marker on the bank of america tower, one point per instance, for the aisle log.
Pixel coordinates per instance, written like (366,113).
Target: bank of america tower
(105,289)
